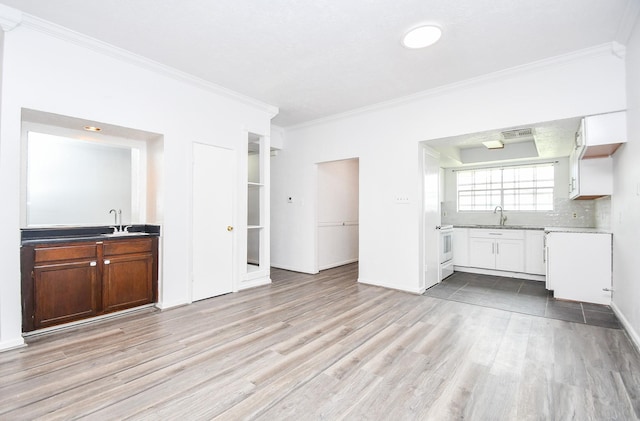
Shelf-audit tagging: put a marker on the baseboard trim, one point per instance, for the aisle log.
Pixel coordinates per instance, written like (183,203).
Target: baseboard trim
(12,344)
(335,265)
(520,275)
(388,286)
(633,335)
(254,283)
(291,268)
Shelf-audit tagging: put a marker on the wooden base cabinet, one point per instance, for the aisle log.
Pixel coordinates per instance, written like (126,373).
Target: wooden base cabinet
(127,279)
(62,283)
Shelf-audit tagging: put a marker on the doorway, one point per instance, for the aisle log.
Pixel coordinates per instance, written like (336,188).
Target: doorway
(338,210)
(212,229)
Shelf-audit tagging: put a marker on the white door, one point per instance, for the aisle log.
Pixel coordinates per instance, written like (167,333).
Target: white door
(212,230)
(431,217)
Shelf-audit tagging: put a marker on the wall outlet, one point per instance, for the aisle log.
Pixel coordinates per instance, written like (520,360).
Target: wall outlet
(402,199)
(574,215)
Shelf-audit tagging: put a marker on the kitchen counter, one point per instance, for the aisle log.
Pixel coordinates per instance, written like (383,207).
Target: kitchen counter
(34,236)
(545,229)
(502,227)
(578,230)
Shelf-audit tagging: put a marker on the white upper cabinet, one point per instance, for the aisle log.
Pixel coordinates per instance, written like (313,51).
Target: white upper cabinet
(601,135)
(597,138)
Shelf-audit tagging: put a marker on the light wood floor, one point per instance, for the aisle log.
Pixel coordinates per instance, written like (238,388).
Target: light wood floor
(324,347)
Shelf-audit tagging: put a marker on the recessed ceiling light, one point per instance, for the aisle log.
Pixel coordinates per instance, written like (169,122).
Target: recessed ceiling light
(493,144)
(92,128)
(422,36)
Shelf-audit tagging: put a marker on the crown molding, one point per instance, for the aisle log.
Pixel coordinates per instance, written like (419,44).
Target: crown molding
(101,47)
(9,17)
(607,49)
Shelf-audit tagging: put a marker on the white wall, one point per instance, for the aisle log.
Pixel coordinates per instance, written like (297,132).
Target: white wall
(625,202)
(561,216)
(337,213)
(87,80)
(385,139)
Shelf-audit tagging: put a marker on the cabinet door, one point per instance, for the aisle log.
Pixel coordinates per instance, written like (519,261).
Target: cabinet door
(510,255)
(534,253)
(482,253)
(127,281)
(461,246)
(579,266)
(65,292)
(574,174)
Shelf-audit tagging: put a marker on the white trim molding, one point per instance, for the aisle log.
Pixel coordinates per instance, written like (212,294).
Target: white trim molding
(9,17)
(633,335)
(606,49)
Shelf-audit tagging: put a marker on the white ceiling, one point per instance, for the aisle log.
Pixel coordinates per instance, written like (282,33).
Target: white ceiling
(316,58)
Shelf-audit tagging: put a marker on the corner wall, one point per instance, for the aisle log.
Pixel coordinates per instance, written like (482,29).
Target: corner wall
(385,138)
(625,202)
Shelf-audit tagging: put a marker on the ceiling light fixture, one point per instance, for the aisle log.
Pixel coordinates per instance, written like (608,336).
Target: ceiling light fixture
(92,128)
(422,36)
(493,144)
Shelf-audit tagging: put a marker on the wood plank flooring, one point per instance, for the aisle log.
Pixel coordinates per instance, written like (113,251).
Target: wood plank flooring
(323,347)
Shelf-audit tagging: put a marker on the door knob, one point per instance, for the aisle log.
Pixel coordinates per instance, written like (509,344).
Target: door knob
(229,228)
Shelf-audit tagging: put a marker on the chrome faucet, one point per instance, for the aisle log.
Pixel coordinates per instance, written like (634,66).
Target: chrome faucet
(117,214)
(503,218)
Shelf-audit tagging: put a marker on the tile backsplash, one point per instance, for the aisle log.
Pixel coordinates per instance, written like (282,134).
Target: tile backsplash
(587,214)
(565,213)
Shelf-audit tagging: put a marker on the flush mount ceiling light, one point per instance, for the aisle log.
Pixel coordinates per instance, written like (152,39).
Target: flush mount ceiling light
(493,144)
(422,36)
(92,128)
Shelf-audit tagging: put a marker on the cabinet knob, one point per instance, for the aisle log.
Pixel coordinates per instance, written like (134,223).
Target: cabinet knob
(229,228)
(93,263)
(106,262)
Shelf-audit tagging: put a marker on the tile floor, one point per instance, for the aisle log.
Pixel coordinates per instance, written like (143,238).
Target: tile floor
(521,296)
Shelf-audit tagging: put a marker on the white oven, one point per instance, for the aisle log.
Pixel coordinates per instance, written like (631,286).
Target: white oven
(446,251)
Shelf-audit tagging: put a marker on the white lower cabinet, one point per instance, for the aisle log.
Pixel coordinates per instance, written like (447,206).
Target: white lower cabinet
(501,249)
(534,252)
(461,246)
(579,266)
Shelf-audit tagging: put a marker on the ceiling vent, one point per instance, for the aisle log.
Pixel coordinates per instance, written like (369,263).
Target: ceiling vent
(517,134)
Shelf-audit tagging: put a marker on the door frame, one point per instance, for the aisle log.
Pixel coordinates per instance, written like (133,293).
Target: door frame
(425,149)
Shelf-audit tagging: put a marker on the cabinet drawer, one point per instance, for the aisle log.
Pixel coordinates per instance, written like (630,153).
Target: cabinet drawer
(75,252)
(497,234)
(112,248)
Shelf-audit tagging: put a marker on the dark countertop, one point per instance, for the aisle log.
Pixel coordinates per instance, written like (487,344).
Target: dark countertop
(34,236)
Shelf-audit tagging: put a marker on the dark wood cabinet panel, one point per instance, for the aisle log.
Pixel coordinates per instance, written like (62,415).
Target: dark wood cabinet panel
(65,292)
(127,281)
(68,252)
(65,282)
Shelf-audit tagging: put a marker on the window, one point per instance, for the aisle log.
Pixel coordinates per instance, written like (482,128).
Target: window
(521,188)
